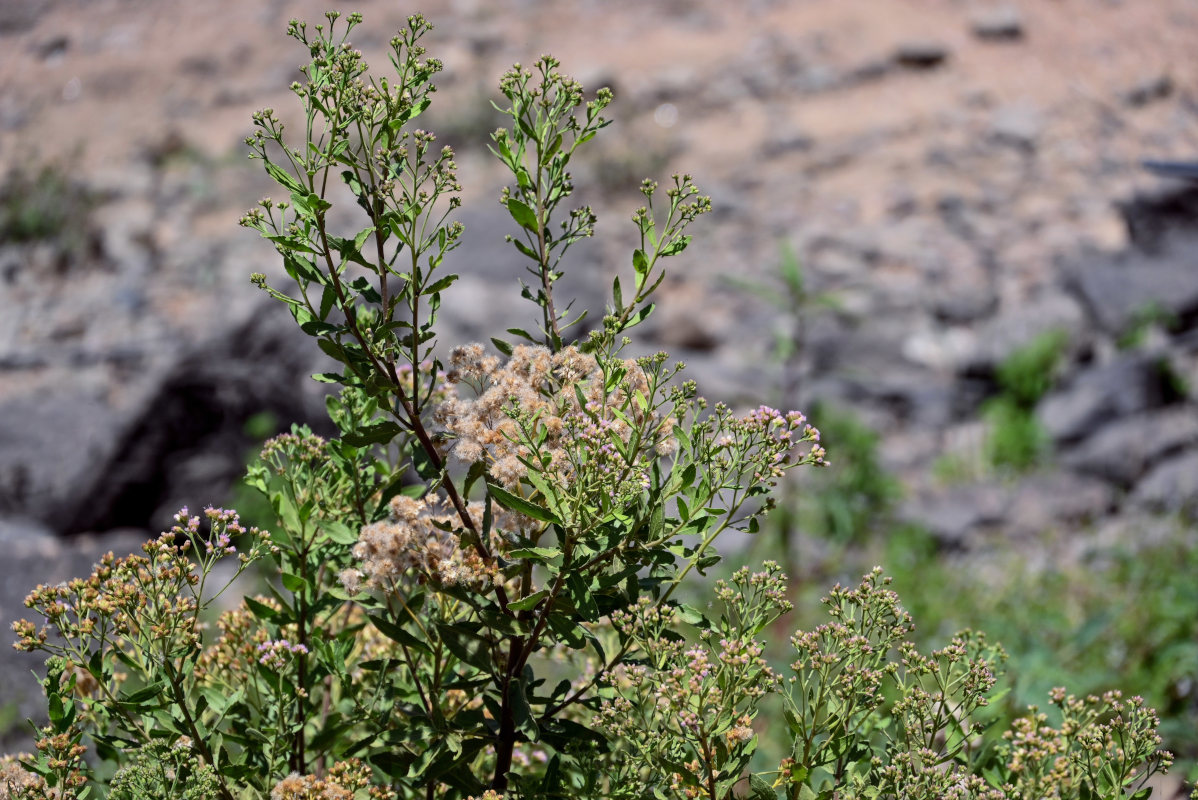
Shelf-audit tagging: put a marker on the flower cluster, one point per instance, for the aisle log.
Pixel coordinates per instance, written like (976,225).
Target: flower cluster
(276,654)
(155,596)
(16,781)
(228,660)
(62,753)
(565,412)
(294,448)
(1106,742)
(692,705)
(757,447)
(760,595)
(166,770)
(417,543)
(345,780)
(922,773)
(849,656)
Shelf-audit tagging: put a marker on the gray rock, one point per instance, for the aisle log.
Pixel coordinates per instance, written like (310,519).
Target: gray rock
(1018,125)
(1124,450)
(786,140)
(689,317)
(1182,362)
(1018,327)
(911,395)
(1116,291)
(877,68)
(1148,90)
(1171,486)
(1098,396)
(921,53)
(1155,215)
(125,233)
(22,16)
(1000,23)
(956,514)
(24,534)
(959,515)
(79,459)
(958,305)
(52,446)
(1042,502)
(940,348)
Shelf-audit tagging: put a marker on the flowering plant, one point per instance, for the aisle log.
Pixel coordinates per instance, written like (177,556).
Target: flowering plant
(474,586)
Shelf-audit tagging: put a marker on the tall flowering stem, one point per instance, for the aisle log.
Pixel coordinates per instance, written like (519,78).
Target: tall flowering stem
(578,452)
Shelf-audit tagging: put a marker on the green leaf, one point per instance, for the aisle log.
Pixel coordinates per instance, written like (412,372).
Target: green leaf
(530,602)
(263,611)
(333,350)
(283,177)
(521,712)
(806,792)
(522,214)
(675,247)
(639,262)
(477,470)
(317,328)
(761,789)
(142,695)
(328,299)
(362,236)
(502,346)
(518,504)
(526,250)
(580,593)
(397,633)
(440,285)
(290,242)
(338,532)
(378,433)
(692,616)
(640,316)
(355,185)
(551,150)
(470,647)
(293,583)
(567,631)
(543,555)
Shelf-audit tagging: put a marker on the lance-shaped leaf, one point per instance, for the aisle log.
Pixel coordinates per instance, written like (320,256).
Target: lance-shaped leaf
(513,502)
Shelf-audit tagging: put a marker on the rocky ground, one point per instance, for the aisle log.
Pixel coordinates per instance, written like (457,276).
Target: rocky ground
(958,177)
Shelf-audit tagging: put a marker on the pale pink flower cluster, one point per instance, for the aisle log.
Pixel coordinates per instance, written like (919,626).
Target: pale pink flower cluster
(16,781)
(345,780)
(413,542)
(417,542)
(276,654)
(564,398)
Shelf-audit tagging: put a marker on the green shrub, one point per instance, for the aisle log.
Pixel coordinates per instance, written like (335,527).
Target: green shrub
(43,204)
(475,583)
(852,498)
(1016,440)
